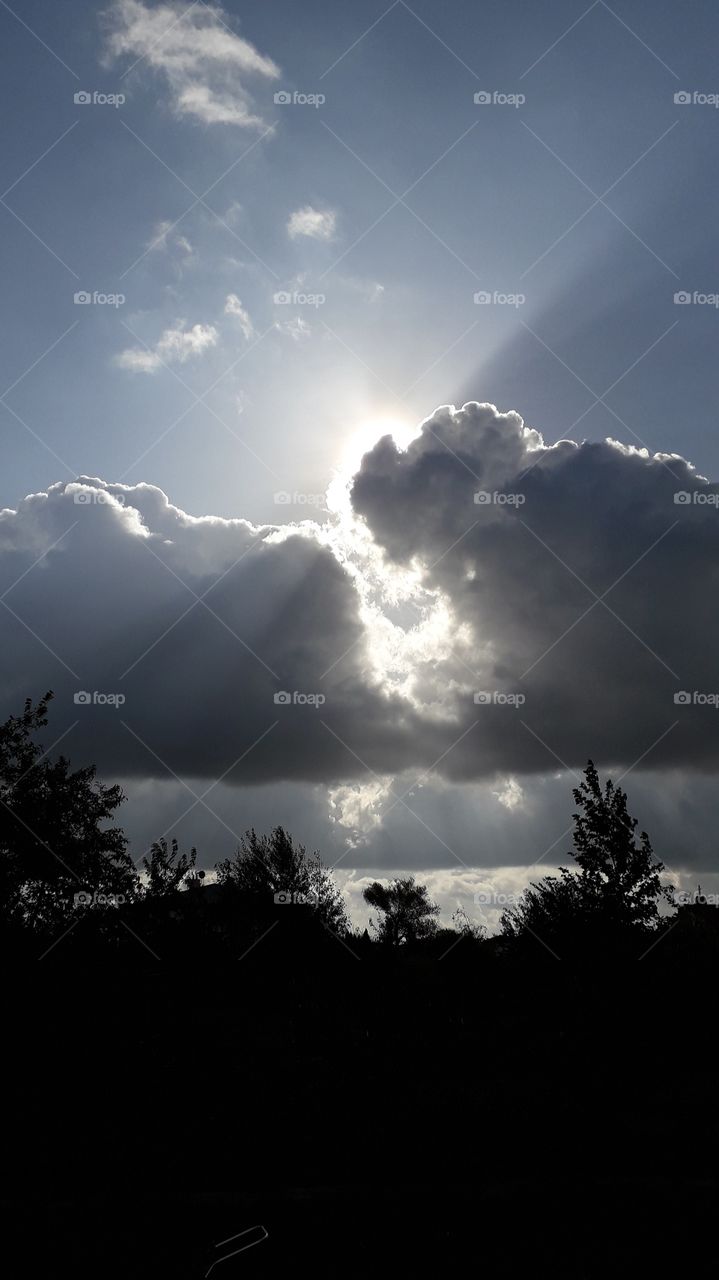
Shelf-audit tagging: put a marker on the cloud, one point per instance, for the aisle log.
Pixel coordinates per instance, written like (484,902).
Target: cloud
(204,63)
(422,630)
(318,224)
(198,623)
(163,239)
(176,346)
(581,593)
(233,307)
(511,795)
(296,329)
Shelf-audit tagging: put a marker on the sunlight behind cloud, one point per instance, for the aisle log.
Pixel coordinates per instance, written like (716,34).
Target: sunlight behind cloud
(365,435)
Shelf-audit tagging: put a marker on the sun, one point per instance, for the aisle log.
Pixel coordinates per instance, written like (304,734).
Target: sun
(364,436)
(361,437)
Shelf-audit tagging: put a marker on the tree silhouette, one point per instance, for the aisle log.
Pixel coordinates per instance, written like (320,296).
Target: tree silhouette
(268,866)
(58,856)
(615,870)
(618,885)
(408,913)
(466,927)
(167,870)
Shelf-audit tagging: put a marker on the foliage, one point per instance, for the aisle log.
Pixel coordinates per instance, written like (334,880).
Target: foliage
(58,855)
(466,927)
(265,867)
(167,870)
(618,886)
(408,914)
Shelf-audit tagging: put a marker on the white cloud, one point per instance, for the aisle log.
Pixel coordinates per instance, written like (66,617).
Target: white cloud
(176,346)
(511,795)
(203,61)
(232,213)
(318,224)
(163,239)
(297,328)
(233,307)
(358,806)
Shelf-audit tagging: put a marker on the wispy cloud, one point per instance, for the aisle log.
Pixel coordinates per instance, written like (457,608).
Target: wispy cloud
(233,307)
(318,224)
(163,239)
(203,61)
(296,328)
(176,346)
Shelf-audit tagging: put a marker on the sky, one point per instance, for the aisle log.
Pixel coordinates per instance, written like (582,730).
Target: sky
(241,247)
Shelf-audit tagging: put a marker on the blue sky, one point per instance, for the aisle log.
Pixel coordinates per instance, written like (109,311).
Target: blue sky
(399,304)
(323,222)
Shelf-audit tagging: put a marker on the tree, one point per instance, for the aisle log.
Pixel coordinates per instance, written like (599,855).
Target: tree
(549,910)
(167,870)
(618,885)
(466,928)
(616,871)
(408,913)
(265,867)
(58,855)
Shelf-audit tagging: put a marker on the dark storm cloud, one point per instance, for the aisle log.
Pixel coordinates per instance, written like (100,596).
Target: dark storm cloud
(555,528)
(104,598)
(101,595)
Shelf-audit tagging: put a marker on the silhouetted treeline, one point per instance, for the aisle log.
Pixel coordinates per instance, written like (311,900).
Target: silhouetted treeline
(66,876)
(187,1060)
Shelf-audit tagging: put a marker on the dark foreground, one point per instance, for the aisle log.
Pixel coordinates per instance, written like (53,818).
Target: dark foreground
(390,1113)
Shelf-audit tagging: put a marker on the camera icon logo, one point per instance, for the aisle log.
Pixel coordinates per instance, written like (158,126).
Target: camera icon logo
(682,298)
(483,98)
(682,699)
(283,499)
(282,98)
(682,98)
(482,498)
(482,298)
(482,699)
(82,298)
(282,298)
(282,699)
(82,499)
(83,98)
(82,699)
(682,498)
(283,897)
(83,899)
